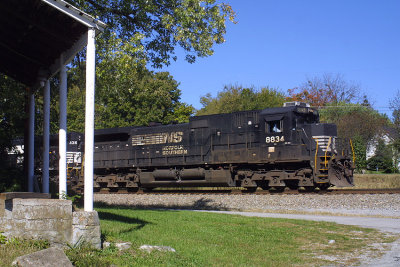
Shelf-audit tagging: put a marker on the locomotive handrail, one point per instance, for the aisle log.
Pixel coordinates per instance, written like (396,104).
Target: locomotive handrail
(316,153)
(326,151)
(83,165)
(354,155)
(309,139)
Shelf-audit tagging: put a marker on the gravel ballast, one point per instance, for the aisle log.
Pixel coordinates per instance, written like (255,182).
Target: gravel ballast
(387,205)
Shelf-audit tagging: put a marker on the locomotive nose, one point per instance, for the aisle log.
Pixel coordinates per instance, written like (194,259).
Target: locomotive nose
(342,174)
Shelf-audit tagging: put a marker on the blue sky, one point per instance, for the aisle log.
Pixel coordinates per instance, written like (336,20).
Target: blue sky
(281,43)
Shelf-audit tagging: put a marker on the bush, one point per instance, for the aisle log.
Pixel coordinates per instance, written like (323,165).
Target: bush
(11,179)
(383,164)
(382,160)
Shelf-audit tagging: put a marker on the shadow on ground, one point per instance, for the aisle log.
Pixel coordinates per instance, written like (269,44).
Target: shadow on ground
(200,204)
(131,223)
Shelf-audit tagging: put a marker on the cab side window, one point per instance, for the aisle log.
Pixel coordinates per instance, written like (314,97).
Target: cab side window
(274,126)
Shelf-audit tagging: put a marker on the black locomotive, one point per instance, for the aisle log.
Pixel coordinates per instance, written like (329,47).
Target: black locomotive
(271,148)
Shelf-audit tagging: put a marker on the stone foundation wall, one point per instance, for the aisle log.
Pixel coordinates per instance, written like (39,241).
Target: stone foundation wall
(49,219)
(86,228)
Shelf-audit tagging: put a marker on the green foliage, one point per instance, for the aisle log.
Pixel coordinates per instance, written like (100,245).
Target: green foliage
(138,33)
(238,98)
(132,100)
(194,25)
(37,244)
(11,179)
(360,151)
(383,158)
(358,122)
(75,199)
(85,255)
(3,239)
(12,112)
(396,152)
(395,107)
(354,120)
(15,247)
(127,94)
(12,119)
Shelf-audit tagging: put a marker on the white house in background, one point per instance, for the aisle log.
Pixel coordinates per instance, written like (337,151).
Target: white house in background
(388,136)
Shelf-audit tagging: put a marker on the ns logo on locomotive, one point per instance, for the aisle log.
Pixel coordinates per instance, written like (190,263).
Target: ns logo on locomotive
(271,148)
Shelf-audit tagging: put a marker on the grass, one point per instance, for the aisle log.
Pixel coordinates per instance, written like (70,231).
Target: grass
(209,239)
(376,181)
(17,247)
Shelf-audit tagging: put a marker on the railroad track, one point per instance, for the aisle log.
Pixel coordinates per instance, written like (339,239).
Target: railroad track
(258,192)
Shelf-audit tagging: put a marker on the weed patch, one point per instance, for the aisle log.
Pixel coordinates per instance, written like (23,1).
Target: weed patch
(376,181)
(15,247)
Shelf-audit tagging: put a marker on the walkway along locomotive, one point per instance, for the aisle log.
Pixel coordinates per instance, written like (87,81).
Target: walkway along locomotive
(271,148)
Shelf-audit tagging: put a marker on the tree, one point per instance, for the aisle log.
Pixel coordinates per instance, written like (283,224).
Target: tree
(136,99)
(194,25)
(395,107)
(359,146)
(127,94)
(12,113)
(354,119)
(383,158)
(12,119)
(138,33)
(238,98)
(358,122)
(142,32)
(328,89)
(338,102)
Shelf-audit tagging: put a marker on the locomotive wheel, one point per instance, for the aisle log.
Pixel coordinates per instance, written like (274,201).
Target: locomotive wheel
(133,189)
(265,187)
(309,188)
(250,189)
(263,184)
(323,186)
(278,189)
(148,189)
(292,186)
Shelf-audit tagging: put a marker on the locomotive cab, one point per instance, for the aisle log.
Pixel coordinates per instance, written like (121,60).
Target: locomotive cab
(285,126)
(294,136)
